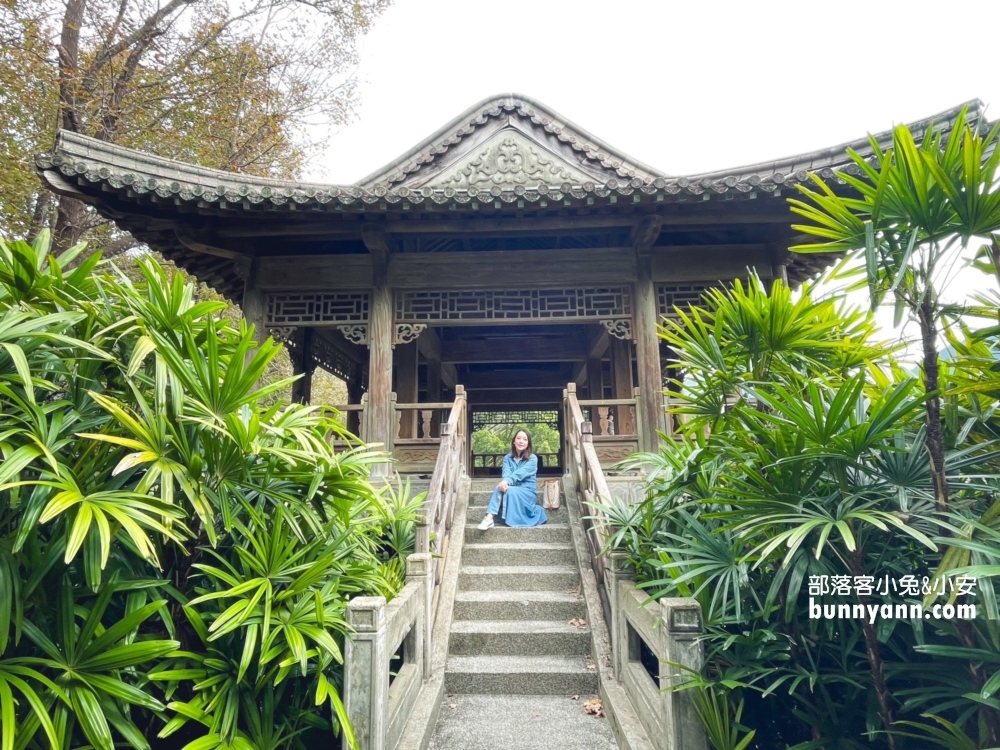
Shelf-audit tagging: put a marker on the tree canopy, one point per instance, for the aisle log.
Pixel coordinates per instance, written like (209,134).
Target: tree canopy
(229,85)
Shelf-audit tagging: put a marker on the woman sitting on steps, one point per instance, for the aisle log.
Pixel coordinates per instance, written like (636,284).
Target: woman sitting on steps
(517,489)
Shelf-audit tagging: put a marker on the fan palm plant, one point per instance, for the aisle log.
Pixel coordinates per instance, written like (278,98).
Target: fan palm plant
(175,559)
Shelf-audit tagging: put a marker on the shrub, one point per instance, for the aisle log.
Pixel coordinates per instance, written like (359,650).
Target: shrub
(175,559)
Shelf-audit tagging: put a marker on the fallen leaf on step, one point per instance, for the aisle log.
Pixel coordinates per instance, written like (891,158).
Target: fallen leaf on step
(536,715)
(575,698)
(577,592)
(594,708)
(591,666)
(577,622)
(453,705)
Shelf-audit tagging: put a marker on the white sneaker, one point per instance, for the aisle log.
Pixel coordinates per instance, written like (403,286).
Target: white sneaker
(486,523)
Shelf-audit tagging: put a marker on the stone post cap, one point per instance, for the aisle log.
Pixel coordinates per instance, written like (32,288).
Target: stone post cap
(619,564)
(418,564)
(366,614)
(681,615)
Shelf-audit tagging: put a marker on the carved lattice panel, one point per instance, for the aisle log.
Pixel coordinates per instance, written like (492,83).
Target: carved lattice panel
(456,306)
(317,308)
(492,418)
(669,296)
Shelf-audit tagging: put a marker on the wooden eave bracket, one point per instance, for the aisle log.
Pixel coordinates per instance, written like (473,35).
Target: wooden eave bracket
(645,231)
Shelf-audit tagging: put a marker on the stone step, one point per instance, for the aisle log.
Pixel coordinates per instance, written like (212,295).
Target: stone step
(476,513)
(518,553)
(550,532)
(520,675)
(518,605)
(519,722)
(518,638)
(518,578)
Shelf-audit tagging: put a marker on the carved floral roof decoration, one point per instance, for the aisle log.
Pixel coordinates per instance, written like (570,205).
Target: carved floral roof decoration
(510,160)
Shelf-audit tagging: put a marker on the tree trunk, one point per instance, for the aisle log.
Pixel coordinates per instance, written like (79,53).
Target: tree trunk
(39,216)
(70,224)
(875,664)
(935,436)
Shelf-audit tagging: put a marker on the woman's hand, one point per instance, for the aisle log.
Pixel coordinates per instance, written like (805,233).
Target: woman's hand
(503,486)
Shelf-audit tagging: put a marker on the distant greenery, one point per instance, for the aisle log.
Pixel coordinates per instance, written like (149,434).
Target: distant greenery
(497,438)
(175,557)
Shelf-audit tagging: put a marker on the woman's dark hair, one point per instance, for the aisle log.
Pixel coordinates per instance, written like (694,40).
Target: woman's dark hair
(527,451)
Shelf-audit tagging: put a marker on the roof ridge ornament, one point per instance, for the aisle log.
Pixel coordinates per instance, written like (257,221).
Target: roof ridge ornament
(507,160)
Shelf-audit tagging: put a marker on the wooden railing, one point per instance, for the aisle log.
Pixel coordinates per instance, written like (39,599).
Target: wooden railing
(616,427)
(611,417)
(450,470)
(416,436)
(582,462)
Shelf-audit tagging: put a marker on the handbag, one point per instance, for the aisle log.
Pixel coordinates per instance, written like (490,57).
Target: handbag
(550,496)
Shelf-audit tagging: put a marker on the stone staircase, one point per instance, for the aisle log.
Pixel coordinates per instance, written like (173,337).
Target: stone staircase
(517,592)
(519,640)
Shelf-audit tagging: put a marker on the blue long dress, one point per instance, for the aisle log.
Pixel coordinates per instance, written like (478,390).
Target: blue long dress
(520,507)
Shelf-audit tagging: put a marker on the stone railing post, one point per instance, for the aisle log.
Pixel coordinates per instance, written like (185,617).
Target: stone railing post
(366,671)
(617,572)
(420,569)
(680,629)
(423,531)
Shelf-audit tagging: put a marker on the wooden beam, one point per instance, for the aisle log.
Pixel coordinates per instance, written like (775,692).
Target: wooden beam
(707,264)
(336,339)
(200,247)
(546,396)
(509,380)
(596,347)
(497,269)
(528,348)
(429,344)
(317,272)
(506,269)
(679,214)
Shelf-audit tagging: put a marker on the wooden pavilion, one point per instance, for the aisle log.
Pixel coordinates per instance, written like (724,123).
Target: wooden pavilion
(507,255)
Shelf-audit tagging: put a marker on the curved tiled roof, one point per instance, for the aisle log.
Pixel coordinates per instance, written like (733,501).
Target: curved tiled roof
(87,161)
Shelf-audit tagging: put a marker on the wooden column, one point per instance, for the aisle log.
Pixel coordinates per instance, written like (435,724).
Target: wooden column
(434,393)
(354,393)
(595,380)
(302,364)
(647,344)
(253,304)
(621,379)
(380,335)
(406,387)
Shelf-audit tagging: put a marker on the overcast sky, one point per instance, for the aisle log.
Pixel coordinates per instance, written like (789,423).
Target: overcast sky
(685,87)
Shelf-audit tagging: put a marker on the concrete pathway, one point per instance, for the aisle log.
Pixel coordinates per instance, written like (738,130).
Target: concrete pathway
(519,722)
